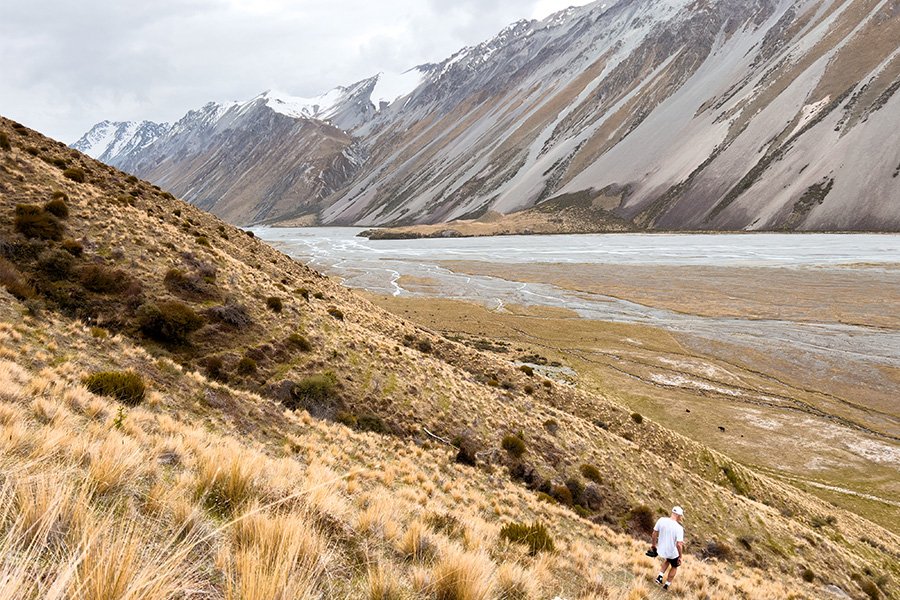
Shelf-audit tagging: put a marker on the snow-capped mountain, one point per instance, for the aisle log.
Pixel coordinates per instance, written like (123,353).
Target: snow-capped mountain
(108,140)
(677,114)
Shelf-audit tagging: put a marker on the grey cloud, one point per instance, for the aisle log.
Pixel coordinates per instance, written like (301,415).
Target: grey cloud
(67,65)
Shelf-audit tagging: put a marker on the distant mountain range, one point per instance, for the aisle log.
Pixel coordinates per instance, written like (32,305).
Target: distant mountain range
(664,114)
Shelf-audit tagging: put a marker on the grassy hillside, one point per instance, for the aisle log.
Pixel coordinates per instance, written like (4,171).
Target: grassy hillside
(291,438)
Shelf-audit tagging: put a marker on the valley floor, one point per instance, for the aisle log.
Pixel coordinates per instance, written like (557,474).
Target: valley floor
(825,421)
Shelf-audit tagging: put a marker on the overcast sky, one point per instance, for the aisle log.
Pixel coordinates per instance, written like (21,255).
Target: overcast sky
(67,64)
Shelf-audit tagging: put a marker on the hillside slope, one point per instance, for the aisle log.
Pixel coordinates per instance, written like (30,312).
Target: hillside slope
(241,347)
(667,114)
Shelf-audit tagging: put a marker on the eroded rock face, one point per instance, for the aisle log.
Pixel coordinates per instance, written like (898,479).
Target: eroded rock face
(675,114)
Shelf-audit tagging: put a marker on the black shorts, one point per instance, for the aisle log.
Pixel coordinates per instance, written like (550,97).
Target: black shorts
(674,562)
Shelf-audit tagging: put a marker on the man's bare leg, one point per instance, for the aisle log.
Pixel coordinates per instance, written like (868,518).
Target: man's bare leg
(672,571)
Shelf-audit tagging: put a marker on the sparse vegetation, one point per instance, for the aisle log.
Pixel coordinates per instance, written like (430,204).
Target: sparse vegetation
(125,386)
(4,141)
(246,366)
(58,207)
(637,418)
(336,313)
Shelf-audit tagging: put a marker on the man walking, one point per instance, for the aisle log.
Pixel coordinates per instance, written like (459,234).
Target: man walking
(668,541)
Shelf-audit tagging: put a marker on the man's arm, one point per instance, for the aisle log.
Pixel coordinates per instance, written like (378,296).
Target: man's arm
(680,546)
(655,538)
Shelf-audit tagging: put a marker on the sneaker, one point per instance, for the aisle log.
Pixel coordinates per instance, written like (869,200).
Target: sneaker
(666,587)
(659,580)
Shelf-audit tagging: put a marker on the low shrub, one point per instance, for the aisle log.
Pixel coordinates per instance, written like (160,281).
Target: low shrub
(637,418)
(527,370)
(275,304)
(591,473)
(230,314)
(14,282)
(76,174)
(203,241)
(425,346)
(73,247)
(467,449)
(215,368)
(718,549)
(33,221)
(808,575)
(99,333)
(246,366)
(169,322)
(870,589)
(562,494)
(125,386)
(58,208)
(190,286)
(576,487)
(300,342)
(514,445)
(314,389)
(820,522)
(641,518)
(102,279)
(336,313)
(56,264)
(535,536)
(4,141)
(303,293)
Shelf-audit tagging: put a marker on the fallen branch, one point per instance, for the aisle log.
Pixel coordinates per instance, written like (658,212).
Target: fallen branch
(437,437)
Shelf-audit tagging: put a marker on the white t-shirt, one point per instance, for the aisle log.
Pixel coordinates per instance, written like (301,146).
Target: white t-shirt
(670,532)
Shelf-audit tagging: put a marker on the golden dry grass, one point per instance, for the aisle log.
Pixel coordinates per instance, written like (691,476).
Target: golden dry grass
(213,489)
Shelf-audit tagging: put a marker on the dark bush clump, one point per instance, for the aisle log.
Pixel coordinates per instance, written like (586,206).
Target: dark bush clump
(215,368)
(576,487)
(76,174)
(56,264)
(300,342)
(637,418)
(591,473)
(125,386)
(641,519)
(275,304)
(73,247)
(303,292)
(562,494)
(102,279)
(14,282)
(336,313)
(246,366)
(319,296)
(527,370)
(170,322)
(425,346)
(233,315)
(514,445)
(315,388)
(718,550)
(535,536)
(33,221)
(870,589)
(808,575)
(468,449)
(4,141)
(58,208)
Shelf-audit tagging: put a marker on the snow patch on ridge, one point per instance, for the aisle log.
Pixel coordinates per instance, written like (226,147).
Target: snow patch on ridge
(392,86)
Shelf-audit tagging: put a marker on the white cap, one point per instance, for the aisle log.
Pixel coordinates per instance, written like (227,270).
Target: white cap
(678,511)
